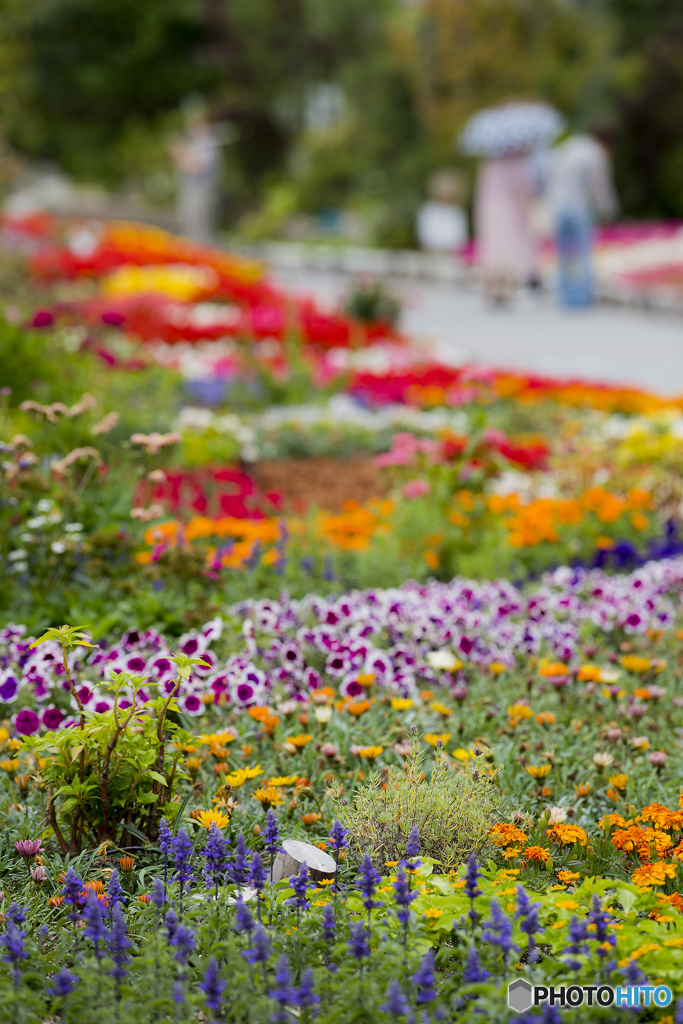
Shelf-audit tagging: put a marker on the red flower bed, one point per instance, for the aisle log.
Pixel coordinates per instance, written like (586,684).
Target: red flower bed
(210,492)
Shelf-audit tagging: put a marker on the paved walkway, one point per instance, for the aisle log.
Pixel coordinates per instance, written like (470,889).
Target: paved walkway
(604,344)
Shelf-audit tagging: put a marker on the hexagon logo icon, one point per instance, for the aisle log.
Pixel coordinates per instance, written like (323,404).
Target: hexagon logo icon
(519,995)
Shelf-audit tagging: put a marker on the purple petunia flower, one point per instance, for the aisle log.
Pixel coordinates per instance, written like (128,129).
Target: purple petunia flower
(26,722)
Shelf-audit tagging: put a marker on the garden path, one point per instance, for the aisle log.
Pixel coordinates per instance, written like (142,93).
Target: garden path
(618,345)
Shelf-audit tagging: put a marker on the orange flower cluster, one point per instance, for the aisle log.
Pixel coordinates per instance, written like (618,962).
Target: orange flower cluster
(635,838)
(654,874)
(578,395)
(662,817)
(533,522)
(566,835)
(266,717)
(504,834)
(537,853)
(353,528)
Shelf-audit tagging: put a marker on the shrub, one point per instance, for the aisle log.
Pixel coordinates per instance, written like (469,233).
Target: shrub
(453,810)
(112,777)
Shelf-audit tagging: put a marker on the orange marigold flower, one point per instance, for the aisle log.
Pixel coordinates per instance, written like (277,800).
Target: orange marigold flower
(546,718)
(589,674)
(144,898)
(568,834)
(653,874)
(511,852)
(568,876)
(55,901)
(552,669)
(662,817)
(619,781)
(537,853)
(583,789)
(614,819)
(674,899)
(311,818)
(359,707)
(634,663)
(300,741)
(504,834)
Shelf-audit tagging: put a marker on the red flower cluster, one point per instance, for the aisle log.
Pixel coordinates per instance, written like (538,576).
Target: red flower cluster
(257,309)
(209,492)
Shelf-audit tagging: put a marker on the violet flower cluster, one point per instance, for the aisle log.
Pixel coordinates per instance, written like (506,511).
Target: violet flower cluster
(283,640)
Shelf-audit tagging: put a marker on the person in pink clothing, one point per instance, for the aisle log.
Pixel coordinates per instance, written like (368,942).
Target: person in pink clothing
(507,248)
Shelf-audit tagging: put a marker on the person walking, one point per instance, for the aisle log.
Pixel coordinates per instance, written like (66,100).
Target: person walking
(196,154)
(580,190)
(507,246)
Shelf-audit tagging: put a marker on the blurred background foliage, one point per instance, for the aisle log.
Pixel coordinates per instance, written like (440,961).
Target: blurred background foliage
(334,107)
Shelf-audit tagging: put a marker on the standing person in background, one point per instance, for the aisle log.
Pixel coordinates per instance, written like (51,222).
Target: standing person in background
(580,189)
(196,154)
(441,221)
(507,247)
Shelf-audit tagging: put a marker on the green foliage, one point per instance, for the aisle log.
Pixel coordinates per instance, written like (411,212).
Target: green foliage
(92,70)
(372,302)
(649,150)
(453,810)
(28,364)
(107,780)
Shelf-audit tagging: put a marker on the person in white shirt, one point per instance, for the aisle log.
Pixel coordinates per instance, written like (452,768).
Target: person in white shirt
(441,222)
(580,190)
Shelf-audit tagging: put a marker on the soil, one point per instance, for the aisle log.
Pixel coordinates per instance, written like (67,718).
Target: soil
(326,483)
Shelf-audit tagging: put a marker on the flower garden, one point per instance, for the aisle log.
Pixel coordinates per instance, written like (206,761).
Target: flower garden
(458,683)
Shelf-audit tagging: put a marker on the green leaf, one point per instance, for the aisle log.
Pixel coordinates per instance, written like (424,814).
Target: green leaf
(627,899)
(148,798)
(158,778)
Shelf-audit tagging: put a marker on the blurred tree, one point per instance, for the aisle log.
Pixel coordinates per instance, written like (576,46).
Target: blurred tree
(85,70)
(91,77)
(473,53)
(649,98)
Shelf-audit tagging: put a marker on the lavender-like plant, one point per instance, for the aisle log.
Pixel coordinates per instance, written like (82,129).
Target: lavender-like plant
(498,932)
(182,860)
(396,1004)
(282,993)
(368,882)
(165,841)
(403,898)
(118,945)
(213,987)
(271,838)
(424,979)
(215,855)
